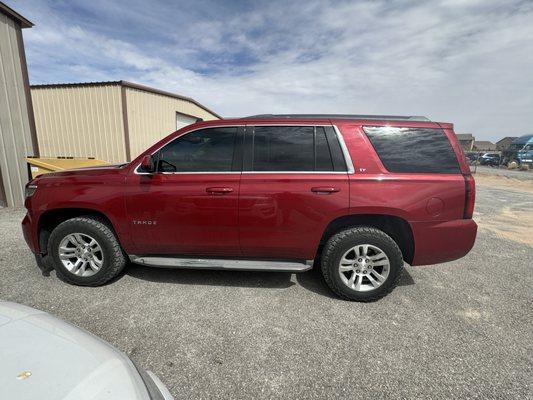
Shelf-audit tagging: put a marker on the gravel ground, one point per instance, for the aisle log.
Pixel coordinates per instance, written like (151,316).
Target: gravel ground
(461,329)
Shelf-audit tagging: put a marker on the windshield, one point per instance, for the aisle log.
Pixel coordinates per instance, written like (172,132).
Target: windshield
(516,146)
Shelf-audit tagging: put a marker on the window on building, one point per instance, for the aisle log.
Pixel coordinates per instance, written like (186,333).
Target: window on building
(183,120)
(413,149)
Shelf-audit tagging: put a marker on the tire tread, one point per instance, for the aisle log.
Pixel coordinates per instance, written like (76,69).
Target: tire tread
(118,258)
(335,240)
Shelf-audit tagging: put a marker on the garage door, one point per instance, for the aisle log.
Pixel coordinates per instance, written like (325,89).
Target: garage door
(184,120)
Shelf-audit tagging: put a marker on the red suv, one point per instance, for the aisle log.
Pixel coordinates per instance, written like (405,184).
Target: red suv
(355,195)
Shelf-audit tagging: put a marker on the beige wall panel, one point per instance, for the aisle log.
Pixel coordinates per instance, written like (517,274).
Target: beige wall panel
(15,136)
(83,121)
(152,116)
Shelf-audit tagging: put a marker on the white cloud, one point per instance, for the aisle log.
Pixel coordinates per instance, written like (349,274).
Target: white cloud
(465,62)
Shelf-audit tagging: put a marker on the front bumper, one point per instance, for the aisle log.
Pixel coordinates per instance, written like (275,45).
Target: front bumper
(438,242)
(156,389)
(29,232)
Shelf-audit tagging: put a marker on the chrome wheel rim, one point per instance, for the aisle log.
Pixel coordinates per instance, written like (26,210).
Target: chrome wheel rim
(81,254)
(364,267)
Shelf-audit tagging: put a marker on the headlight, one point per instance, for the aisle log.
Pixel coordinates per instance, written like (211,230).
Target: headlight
(30,190)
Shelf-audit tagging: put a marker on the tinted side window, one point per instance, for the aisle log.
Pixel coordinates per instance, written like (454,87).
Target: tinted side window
(323,154)
(283,148)
(413,149)
(339,162)
(292,148)
(205,150)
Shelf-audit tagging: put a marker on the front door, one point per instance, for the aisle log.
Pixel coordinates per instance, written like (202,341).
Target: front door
(190,205)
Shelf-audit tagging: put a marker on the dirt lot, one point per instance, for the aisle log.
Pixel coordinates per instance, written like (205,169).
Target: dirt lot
(461,329)
(511,216)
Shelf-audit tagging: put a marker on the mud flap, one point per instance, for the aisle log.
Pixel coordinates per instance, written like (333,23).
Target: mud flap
(44,264)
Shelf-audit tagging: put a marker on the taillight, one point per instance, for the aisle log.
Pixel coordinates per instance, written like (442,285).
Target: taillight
(470,196)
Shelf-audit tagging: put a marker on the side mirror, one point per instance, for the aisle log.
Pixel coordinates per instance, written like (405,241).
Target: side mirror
(148,164)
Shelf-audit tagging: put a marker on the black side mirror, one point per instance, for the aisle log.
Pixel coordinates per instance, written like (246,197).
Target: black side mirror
(148,164)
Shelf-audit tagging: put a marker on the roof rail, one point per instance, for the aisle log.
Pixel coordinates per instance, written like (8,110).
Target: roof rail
(341,116)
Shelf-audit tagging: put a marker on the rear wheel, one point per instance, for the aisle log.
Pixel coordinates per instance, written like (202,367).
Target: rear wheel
(361,264)
(85,252)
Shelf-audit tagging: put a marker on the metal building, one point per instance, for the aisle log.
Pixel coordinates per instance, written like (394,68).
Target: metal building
(17,129)
(112,121)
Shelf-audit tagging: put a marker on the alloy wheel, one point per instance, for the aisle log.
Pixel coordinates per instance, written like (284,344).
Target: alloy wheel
(81,254)
(364,267)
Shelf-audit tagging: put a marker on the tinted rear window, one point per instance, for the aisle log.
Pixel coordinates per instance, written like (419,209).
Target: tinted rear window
(413,149)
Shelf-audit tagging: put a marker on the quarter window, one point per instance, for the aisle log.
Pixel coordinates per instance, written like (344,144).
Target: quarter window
(205,150)
(416,150)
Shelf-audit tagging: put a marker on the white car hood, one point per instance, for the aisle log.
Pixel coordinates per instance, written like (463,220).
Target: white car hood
(43,357)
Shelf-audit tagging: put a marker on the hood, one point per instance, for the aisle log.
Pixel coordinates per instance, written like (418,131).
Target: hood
(42,354)
(109,166)
(96,171)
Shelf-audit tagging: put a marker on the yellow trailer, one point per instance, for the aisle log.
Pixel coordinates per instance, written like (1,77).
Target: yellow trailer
(39,166)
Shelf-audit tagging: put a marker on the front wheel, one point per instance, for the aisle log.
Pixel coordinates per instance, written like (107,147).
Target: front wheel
(361,264)
(85,252)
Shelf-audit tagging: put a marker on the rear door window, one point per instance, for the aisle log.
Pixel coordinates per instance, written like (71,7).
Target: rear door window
(418,150)
(291,148)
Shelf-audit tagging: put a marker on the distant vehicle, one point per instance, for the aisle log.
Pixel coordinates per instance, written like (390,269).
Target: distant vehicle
(44,357)
(472,157)
(270,193)
(490,159)
(520,150)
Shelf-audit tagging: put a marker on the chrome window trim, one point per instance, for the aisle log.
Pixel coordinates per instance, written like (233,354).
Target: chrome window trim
(296,172)
(347,159)
(199,173)
(136,172)
(280,124)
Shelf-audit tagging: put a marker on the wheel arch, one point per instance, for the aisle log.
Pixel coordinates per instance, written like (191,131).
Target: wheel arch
(396,227)
(50,219)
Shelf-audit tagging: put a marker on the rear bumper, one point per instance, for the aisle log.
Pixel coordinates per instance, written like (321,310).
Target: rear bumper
(438,242)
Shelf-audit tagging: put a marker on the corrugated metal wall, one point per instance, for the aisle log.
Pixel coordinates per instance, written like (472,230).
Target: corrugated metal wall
(152,116)
(83,121)
(15,136)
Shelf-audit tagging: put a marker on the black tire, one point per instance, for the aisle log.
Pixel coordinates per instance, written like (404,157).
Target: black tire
(114,258)
(340,243)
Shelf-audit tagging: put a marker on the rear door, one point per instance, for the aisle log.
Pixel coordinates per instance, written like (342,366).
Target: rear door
(294,183)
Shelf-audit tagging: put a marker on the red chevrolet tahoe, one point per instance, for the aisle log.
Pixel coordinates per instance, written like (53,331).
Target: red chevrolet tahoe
(357,196)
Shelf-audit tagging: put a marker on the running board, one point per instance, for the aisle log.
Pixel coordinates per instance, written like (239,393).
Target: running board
(239,265)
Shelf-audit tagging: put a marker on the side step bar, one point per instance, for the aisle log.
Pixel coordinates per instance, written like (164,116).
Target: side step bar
(239,265)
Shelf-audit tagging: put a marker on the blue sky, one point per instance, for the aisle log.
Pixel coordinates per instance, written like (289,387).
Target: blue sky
(466,62)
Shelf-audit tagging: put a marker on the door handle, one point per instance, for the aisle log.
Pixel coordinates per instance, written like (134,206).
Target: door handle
(325,190)
(219,190)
